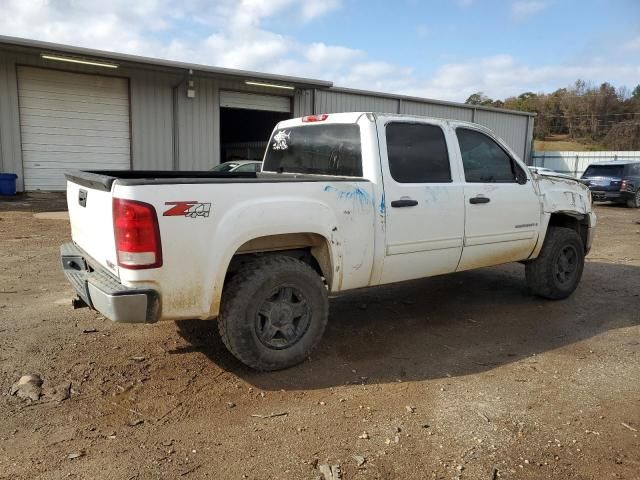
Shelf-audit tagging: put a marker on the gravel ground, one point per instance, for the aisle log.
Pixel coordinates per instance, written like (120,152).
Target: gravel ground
(461,376)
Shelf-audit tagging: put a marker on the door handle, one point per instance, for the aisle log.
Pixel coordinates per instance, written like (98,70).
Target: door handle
(404,203)
(475,200)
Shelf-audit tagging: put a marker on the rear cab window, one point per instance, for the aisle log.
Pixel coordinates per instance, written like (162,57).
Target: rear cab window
(325,149)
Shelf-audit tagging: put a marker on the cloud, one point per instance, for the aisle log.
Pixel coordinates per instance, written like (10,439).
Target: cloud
(500,76)
(237,34)
(632,45)
(524,9)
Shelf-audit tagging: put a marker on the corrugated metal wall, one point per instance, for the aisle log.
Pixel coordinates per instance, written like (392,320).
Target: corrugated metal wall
(10,149)
(512,128)
(327,101)
(435,110)
(171,131)
(152,121)
(197,120)
(151,104)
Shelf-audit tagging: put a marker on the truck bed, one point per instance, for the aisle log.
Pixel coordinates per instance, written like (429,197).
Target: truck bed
(104,179)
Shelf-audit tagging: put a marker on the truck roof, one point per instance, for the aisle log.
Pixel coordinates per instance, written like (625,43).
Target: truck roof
(353,117)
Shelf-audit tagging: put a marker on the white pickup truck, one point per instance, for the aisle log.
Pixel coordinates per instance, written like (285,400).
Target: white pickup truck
(344,201)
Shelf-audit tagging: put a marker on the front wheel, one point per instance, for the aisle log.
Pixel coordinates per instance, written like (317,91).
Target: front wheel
(273,312)
(635,201)
(556,273)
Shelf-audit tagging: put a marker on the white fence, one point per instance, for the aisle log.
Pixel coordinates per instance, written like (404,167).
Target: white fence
(575,163)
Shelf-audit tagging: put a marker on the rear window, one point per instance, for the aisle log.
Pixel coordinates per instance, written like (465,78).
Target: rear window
(331,149)
(604,171)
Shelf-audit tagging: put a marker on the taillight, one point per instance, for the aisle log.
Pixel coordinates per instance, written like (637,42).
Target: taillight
(315,118)
(135,226)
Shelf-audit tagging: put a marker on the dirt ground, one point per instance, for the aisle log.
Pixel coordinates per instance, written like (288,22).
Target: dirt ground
(461,376)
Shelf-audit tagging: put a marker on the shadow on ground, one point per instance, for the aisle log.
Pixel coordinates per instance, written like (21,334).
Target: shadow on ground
(452,325)
(34,202)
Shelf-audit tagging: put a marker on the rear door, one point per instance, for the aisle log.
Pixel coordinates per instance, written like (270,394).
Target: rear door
(423,199)
(502,208)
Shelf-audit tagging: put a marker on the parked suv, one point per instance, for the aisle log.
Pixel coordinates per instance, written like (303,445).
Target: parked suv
(616,181)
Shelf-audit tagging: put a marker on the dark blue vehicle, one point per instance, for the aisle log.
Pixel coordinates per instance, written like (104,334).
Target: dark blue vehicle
(616,181)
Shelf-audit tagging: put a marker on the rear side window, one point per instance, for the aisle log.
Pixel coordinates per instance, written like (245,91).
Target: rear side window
(331,149)
(483,159)
(417,153)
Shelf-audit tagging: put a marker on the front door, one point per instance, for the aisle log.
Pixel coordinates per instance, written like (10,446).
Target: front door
(423,200)
(502,208)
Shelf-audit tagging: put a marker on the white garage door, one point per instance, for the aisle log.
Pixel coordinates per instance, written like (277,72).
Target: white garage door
(71,121)
(253,101)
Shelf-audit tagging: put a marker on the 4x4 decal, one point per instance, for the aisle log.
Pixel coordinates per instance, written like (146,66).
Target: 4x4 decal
(190,209)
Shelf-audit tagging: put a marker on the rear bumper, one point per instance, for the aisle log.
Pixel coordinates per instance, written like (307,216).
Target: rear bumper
(602,196)
(103,292)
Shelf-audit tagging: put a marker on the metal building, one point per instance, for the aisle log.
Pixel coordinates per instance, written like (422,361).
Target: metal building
(64,107)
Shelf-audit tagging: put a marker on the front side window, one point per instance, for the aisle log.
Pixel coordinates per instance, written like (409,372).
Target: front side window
(330,149)
(484,160)
(417,153)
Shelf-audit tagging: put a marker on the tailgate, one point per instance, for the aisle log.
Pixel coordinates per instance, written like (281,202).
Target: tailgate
(90,213)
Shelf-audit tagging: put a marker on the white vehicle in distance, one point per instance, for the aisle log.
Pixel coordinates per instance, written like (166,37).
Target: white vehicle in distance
(241,166)
(343,201)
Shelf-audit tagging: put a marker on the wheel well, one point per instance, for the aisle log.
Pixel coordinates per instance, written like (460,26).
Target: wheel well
(576,222)
(309,248)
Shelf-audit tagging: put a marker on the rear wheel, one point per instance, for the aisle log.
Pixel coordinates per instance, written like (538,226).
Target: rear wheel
(273,312)
(556,273)
(635,201)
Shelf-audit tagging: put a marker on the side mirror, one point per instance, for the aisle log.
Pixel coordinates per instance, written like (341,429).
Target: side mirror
(521,176)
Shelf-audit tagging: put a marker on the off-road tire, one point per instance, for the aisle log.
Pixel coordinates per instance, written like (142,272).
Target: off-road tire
(542,275)
(249,290)
(635,201)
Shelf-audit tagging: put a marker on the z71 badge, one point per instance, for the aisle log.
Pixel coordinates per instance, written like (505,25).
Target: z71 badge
(191,209)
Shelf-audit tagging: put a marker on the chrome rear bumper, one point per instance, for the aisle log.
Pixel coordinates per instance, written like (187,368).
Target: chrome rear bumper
(103,292)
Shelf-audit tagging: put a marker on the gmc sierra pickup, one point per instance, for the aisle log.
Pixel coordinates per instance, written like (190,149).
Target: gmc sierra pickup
(343,201)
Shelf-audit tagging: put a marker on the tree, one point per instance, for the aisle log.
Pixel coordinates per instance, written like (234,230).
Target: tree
(478,98)
(582,111)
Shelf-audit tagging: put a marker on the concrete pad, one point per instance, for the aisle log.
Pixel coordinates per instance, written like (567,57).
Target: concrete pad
(52,215)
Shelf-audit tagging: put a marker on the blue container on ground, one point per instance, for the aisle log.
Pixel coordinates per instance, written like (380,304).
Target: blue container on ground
(8,183)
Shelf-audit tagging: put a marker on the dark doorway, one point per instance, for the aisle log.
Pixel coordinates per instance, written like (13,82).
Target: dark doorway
(244,133)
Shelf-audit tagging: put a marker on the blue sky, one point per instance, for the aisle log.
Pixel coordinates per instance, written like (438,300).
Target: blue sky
(439,49)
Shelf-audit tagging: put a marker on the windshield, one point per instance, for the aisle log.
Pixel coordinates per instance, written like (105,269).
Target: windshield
(331,149)
(224,167)
(603,171)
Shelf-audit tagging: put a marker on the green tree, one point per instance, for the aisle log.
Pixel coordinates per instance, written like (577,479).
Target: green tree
(478,98)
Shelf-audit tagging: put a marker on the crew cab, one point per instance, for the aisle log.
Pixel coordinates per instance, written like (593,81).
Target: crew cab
(343,201)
